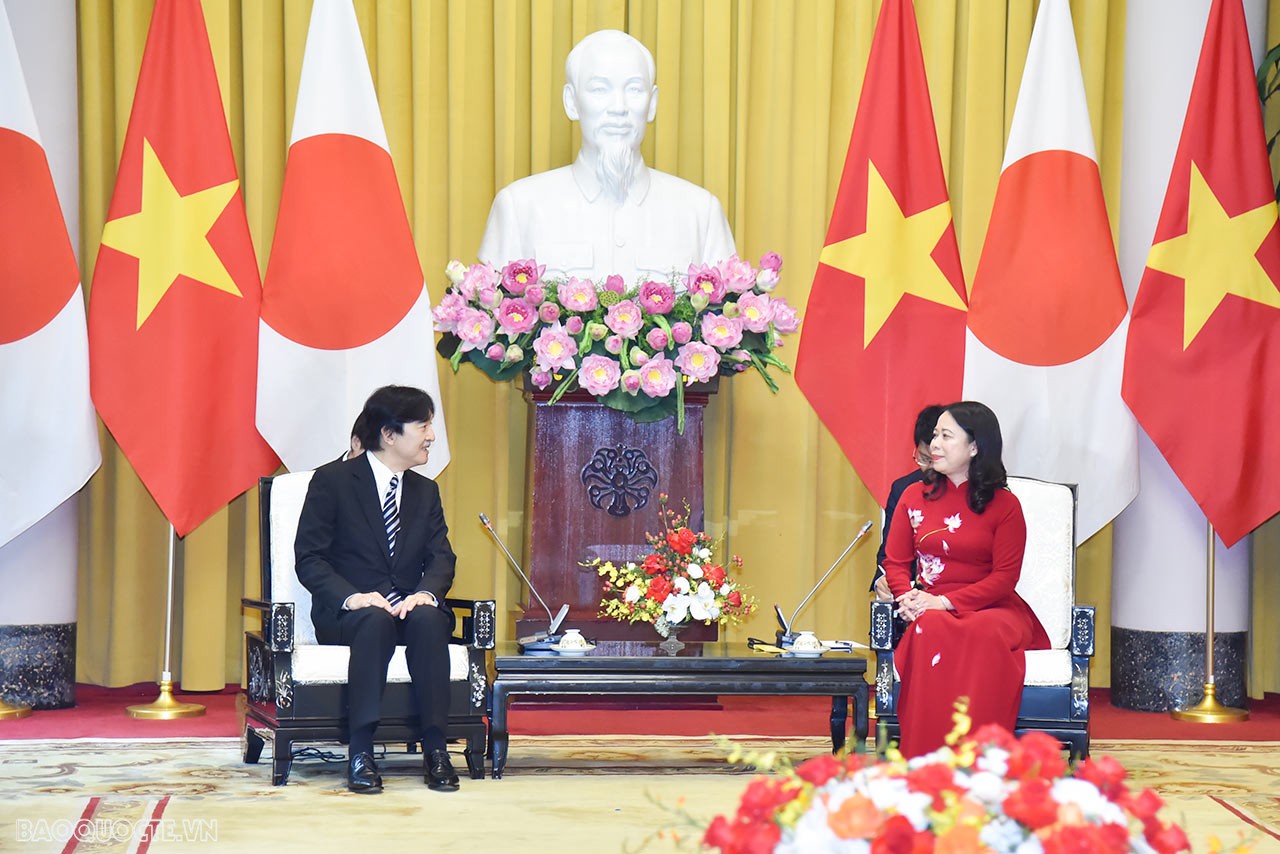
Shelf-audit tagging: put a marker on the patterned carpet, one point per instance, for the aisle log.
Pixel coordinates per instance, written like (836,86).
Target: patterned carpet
(561,793)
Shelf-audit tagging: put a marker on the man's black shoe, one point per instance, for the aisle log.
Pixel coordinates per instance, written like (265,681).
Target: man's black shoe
(362,775)
(439,771)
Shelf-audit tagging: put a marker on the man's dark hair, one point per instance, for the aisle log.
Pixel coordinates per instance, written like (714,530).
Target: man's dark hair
(392,407)
(925,422)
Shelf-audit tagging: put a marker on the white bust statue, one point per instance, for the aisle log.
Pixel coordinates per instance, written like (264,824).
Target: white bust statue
(608,212)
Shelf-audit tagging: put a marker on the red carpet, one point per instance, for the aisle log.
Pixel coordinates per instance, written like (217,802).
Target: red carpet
(100,713)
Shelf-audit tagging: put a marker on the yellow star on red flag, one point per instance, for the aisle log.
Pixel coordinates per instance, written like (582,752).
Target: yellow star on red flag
(169,235)
(894,255)
(1216,256)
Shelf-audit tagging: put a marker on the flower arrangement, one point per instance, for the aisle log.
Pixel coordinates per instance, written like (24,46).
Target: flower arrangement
(634,347)
(675,582)
(992,792)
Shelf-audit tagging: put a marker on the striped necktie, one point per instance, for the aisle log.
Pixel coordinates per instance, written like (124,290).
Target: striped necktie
(391,514)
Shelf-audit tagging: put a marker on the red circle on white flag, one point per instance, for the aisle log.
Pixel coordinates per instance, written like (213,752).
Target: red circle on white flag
(38,271)
(343,269)
(1048,287)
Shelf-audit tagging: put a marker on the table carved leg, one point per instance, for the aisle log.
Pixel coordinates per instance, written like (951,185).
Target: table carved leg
(498,729)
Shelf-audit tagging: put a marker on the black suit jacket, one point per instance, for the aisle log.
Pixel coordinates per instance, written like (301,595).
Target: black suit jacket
(898,487)
(341,546)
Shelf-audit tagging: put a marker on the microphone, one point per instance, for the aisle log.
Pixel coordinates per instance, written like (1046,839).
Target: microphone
(564,609)
(787,634)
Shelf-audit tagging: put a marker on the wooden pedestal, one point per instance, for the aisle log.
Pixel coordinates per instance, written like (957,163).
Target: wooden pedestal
(594,477)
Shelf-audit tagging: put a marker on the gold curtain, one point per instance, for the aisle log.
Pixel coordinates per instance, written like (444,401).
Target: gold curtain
(757,102)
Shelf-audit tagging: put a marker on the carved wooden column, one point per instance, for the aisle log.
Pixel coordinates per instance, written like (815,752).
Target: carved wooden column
(594,476)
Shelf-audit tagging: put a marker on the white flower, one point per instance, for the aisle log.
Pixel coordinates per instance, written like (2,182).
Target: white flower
(1004,834)
(702,605)
(994,760)
(930,567)
(1094,804)
(676,608)
(681,585)
(915,517)
(952,523)
(632,594)
(725,589)
(694,571)
(455,270)
(702,554)
(987,788)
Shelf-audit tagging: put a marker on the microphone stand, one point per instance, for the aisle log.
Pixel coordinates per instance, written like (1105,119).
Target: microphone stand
(790,633)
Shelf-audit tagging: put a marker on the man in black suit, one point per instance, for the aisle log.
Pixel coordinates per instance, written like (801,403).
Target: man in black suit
(373,549)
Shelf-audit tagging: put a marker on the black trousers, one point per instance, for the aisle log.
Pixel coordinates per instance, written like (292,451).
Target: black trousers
(373,635)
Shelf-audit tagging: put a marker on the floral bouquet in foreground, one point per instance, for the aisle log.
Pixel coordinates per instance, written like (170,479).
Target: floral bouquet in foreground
(993,792)
(674,583)
(633,346)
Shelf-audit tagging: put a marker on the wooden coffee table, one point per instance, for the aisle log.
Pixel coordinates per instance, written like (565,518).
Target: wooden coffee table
(700,668)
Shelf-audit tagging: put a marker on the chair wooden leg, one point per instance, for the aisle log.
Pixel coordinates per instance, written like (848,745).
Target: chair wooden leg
(251,746)
(281,761)
(475,757)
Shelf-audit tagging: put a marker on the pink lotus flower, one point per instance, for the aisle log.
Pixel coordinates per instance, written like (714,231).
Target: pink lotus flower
(597,331)
(613,344)
(573,325)
(744,360)
(516,316)
(681,333)
(489,297)
(477,277)
(755,311)
(766,281)
(616,284)
(577,295)
(541,379)
(496,352)
(658,377)
(475,328)
(555,349)
(657,297)
(721,332)
(784,317)
(639,358)
(738,275)
(631,381)
(446,314)
(624,318)
(698,361)
(549,312)
(705,280)
(519,275)
(657,338)
(515,353)
(535,294)
(599,374)
(771,261)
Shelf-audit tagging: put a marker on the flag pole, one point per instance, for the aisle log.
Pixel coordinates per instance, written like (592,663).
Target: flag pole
(165,707)
(1209,710)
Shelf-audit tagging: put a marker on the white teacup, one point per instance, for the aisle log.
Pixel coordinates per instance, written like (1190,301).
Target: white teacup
(806,642)
(573,639)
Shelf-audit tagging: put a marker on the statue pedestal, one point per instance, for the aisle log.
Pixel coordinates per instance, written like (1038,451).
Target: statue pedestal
(594,476)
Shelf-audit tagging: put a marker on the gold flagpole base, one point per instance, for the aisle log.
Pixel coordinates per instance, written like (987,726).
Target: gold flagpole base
(1210,711)
(165,708)
(12,713)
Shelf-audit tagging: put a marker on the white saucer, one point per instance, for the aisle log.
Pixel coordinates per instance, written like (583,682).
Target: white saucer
(575,650)
(817,653)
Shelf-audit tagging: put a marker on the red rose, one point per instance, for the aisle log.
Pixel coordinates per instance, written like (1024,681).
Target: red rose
(1166,838)
(933,779)
(819,769)
(734,598)
(681,540)
(1032,804)
(715,575)
(1106,773)
(1037,755)
(764,796)
(1085,839)
(896,836)
(654,564)
(1144,805)
(994,734)
(659,588)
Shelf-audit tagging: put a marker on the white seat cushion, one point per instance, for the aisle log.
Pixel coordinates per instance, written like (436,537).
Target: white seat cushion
(323,664)
(1048,667)
(314,663)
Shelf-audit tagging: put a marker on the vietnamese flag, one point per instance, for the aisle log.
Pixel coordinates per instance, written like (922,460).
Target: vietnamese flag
(1203,360)
(173,308)
(1047,311)
(884,329)
(47,426)
(345,307)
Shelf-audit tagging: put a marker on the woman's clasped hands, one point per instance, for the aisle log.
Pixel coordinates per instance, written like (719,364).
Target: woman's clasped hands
(915,602)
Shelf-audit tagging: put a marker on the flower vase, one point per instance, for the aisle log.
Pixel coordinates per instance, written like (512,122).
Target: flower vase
(672,644)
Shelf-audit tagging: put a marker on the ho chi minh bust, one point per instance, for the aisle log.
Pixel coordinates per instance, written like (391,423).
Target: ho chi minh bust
(608,212)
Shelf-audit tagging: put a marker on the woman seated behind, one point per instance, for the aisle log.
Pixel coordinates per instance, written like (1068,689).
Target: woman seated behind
(967,629)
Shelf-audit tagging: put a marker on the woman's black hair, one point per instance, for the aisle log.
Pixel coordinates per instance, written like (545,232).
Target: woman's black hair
(986,469)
